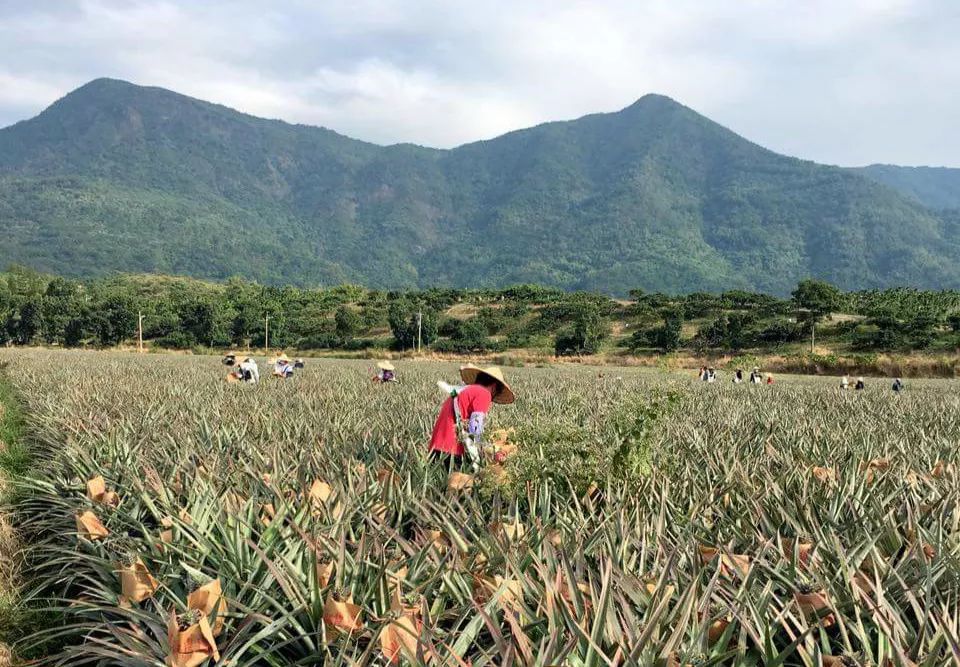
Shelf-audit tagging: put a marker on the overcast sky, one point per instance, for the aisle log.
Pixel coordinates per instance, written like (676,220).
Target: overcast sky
(840,81)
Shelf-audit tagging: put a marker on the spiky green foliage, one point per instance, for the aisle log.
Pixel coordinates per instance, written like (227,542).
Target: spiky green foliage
(609,576)
(188,618)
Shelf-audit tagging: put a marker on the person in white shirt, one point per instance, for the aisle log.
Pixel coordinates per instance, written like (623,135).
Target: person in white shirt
(250,371)
(283,368)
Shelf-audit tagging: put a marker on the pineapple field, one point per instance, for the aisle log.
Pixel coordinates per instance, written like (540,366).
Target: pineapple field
(634,517)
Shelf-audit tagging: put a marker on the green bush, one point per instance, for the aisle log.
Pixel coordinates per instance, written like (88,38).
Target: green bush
(517,339)
(588,331)
(178,340)
(571,452)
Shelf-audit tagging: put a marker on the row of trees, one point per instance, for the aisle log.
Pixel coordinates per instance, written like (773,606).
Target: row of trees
(185,313)
(896,319)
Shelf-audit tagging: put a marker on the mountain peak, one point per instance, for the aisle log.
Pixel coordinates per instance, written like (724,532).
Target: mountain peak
(654,98)
(100,89)
(654,196)
(104,83)
(654,102)
(96,95)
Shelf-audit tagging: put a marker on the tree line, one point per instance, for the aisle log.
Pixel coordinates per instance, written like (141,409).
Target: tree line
(183,313)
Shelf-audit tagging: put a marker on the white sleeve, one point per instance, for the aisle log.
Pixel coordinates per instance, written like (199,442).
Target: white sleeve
(476,424)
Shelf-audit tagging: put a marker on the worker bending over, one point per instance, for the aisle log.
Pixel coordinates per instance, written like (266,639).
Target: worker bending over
(385,372)
(249,371)
(459,426)
(283,368)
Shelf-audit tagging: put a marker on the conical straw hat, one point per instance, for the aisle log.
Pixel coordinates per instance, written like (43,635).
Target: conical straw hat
(470,372)
(385,366)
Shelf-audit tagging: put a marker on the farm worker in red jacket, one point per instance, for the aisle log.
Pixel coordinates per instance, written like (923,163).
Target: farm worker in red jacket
(459,426)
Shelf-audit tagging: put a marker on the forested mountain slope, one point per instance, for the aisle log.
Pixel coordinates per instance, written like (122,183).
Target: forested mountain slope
(934,187)
(118,177)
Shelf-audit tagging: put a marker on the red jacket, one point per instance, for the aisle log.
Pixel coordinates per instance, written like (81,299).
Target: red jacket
(473,399)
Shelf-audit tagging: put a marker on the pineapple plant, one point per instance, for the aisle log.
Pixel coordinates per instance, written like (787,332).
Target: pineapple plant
(326,582)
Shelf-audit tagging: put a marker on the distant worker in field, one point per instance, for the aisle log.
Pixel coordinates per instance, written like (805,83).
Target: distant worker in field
(755,376)
(738,376)
(845,383)
(249,371)
(385,372)
(702,374)
(298,363)
(897,386)
(282,368)
(860,386)
(711,375)
(769,378)
(459,426)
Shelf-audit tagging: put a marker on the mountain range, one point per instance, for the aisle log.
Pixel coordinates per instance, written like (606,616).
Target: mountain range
(119,177)
(936,187)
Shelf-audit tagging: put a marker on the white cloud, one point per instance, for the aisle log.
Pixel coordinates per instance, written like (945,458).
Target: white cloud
(25,92)
(850,82)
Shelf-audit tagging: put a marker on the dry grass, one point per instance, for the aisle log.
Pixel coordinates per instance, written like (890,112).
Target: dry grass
(9,555)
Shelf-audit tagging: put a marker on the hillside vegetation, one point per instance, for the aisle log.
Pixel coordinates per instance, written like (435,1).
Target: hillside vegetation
(183,313)
(935,187)
(117,177)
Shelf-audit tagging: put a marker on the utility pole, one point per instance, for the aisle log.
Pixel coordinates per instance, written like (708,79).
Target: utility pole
(140,332)
(419,331)
(266,333)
